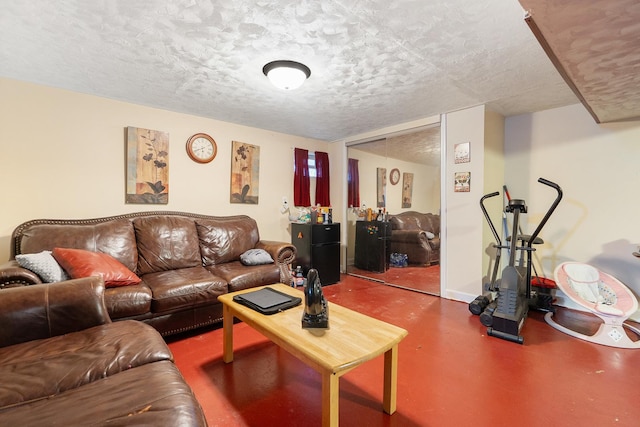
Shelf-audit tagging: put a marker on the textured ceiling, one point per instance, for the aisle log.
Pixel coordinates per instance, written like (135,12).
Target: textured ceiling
(596,48)
(422,146)
(374,63)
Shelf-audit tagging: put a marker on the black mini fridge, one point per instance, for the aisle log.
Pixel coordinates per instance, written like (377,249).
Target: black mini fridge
(373,245)
(318,246)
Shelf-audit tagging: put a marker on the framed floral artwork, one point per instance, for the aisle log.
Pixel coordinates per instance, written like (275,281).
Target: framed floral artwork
(147,180)
(381,180)
(245,173)
(407,189)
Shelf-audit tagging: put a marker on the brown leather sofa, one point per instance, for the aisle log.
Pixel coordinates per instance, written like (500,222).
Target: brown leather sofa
(417,235)
(185,262)
(63,362)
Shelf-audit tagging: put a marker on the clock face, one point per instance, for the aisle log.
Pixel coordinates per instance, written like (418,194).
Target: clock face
(394,176)
(201,148)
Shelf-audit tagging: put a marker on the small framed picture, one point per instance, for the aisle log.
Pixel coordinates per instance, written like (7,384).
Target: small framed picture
(462,153)
(462,182)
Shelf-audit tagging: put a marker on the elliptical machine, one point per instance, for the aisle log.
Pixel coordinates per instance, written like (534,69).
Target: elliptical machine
(505,314)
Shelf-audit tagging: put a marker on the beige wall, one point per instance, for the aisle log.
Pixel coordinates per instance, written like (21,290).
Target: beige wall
(597,167)
(62,155)
(425,198)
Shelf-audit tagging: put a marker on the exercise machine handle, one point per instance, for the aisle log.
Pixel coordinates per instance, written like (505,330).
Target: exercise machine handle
(486,215)
(551,208)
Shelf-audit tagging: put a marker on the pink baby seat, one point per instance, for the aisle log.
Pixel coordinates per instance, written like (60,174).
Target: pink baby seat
(602,295)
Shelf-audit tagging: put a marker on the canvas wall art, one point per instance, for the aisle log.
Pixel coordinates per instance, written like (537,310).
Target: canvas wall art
(147,180)
(381,180)
(407,189)
(245,173)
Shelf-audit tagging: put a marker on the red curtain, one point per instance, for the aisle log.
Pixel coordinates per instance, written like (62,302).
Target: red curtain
(353,184)
(301,195)
(322,179)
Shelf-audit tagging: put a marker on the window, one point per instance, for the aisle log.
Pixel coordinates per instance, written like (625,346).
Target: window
(312,164)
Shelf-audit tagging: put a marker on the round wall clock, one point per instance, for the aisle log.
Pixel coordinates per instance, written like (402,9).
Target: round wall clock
(394,176)
(201,148)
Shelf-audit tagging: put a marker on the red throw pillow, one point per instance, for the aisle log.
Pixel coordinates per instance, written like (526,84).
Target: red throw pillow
(80,263)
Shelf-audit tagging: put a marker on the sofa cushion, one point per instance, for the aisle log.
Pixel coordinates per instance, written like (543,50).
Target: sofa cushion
(225,239)
(41,368)
(241,276)
(128,301)
(183,288)
(79,263)
(115,237)
(154,394)
(44,265)
(166,243)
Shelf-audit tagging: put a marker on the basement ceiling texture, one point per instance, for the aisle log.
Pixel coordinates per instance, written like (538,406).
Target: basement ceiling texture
(374,63)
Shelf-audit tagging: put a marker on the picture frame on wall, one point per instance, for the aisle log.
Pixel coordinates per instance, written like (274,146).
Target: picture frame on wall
(462,152)
(462,182)
(245,173)
(407,189)
(381,180)
(147,166)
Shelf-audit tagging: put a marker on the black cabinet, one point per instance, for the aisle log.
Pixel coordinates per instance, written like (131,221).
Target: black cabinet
(318,246)
(373,245)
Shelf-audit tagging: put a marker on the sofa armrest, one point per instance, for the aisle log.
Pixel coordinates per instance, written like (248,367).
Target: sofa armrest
(282,253)
(11,274)
(46,310)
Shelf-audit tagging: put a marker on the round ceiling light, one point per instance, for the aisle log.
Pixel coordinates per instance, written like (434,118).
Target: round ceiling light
(287,75)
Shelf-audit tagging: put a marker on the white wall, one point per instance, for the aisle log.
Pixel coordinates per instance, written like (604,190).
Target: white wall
(62,155)
(462,218)
(493,181)
(597,167)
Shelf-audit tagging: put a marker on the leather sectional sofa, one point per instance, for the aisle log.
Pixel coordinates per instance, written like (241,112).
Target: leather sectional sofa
(417,235)
(179,262)
(64,362)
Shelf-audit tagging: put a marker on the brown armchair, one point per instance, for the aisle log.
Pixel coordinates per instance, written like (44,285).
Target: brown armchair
(417,235)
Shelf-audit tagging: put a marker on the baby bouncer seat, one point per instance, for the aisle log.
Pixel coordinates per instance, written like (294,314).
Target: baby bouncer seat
(602,295)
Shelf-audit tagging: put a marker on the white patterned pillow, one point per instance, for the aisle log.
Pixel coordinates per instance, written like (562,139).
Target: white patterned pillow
(44,265)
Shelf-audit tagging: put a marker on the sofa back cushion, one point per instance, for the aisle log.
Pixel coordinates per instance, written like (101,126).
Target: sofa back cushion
(225,239)
(115,238)
(166,243)
(404,222)
(412,220)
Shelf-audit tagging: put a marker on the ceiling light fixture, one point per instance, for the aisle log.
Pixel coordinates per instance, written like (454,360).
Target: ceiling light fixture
(287,75)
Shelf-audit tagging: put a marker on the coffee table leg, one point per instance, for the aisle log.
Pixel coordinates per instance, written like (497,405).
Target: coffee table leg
(227,334)
(330,399)
(390,380)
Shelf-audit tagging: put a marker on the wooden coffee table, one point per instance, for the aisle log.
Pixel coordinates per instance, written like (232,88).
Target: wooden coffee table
(352,339)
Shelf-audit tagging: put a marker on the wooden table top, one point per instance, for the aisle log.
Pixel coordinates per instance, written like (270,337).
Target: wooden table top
(352,337)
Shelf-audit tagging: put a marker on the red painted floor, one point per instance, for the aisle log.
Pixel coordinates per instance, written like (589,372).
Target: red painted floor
(450,372)
(420,278)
